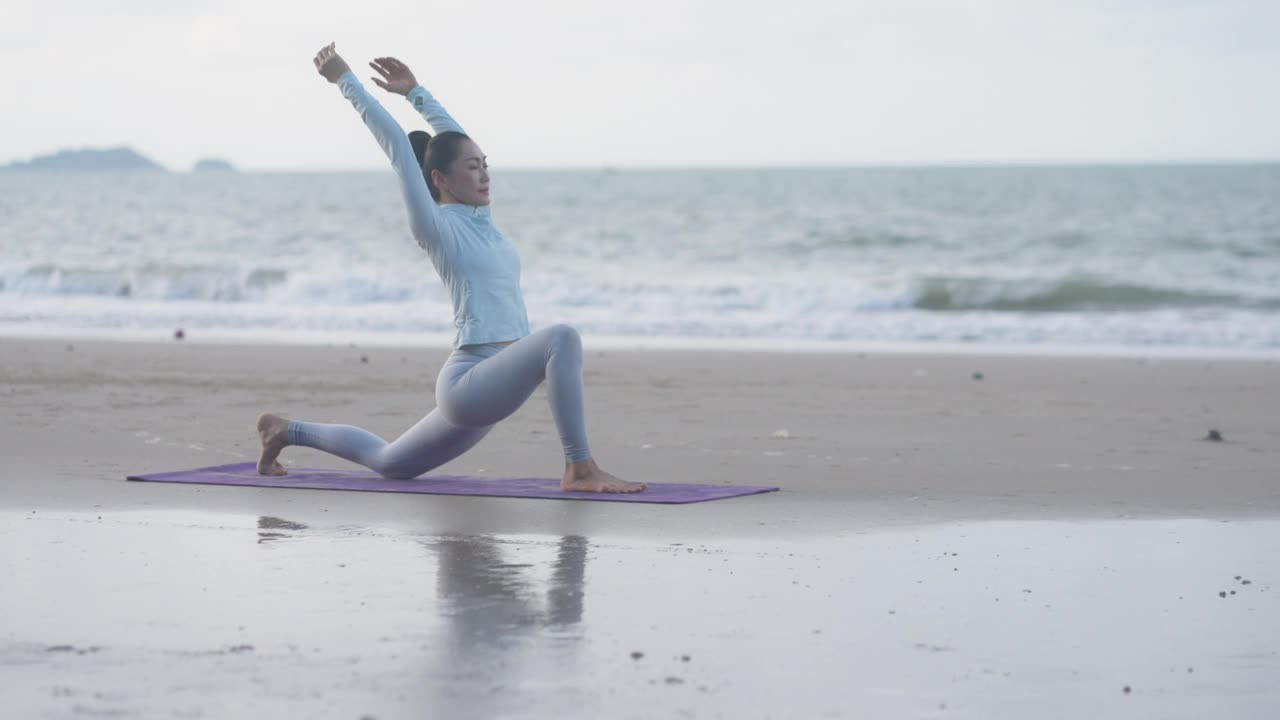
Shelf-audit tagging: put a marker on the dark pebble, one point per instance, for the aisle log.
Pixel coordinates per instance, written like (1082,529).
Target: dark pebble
(685,658)
(673,680)
(1213,436)
(364,358)
(1246,582)
(978,376)
(636,655)
(1127,689)
(1222,593)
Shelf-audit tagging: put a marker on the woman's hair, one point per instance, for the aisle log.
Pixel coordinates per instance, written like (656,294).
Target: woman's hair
(436,153)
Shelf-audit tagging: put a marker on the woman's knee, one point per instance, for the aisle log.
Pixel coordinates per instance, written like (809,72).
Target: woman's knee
(395,463)
(397,469)
(565,337)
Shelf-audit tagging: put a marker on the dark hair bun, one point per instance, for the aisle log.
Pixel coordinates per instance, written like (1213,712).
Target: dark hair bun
(419,140)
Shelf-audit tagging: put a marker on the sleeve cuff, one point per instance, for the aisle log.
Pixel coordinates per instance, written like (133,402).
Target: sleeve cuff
(417,97)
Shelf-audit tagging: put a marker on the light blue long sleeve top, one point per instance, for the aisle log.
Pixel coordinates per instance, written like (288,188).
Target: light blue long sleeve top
(479,267)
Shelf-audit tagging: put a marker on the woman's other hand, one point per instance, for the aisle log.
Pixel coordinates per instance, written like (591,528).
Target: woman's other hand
(330,64)
(396,76)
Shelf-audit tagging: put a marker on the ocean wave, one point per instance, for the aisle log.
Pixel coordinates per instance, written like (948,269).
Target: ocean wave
(776,299)
(1240,329)
(944,294)
(216,284)
(150,281)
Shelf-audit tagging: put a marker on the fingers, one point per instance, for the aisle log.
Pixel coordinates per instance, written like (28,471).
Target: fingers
(392,64)
(382,69)
(380,84)
(330,64)
(326,53)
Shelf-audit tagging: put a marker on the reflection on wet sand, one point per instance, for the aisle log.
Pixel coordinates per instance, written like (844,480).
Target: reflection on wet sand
(508,626)
(486,599)
(267,527)
(995,619)
(493,601)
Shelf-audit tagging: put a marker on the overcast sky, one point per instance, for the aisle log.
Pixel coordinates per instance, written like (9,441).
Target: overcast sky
(586,83)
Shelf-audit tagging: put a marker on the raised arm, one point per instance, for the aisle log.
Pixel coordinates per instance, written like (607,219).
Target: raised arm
(399,79)
(426,222)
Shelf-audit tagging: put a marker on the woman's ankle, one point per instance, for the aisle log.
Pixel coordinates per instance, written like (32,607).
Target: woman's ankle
(582,467)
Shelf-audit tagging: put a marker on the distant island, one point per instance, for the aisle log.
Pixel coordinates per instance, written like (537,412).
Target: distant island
(121,158)
(215,165)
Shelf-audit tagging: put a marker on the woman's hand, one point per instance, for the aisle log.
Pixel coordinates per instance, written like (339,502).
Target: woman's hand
(396,76)
(330,64)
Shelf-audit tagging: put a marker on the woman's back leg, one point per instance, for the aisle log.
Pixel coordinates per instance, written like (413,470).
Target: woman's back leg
(430,443)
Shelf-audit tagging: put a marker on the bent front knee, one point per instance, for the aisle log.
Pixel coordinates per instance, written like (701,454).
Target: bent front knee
(565,337)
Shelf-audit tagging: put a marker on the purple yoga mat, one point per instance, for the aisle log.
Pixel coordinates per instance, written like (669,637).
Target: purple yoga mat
(246,474)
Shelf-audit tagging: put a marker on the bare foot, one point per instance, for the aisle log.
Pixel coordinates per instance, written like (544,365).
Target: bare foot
(587,476)
(273,430)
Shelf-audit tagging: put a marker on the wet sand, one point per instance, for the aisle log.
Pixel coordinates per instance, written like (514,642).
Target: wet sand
(1025,544)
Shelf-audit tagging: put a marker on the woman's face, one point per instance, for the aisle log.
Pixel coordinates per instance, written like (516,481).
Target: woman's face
(468,177)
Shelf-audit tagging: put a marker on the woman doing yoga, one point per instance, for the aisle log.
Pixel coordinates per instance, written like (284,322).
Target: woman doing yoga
(496,363)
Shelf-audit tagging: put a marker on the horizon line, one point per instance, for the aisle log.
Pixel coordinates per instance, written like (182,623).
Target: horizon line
(620,167)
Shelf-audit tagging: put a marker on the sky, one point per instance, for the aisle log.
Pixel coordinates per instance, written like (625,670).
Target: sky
(679,83)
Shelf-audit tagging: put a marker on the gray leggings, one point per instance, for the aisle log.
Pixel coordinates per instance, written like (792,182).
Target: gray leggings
(478,386)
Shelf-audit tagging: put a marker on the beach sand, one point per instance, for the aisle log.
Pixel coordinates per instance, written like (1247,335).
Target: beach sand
(956,535)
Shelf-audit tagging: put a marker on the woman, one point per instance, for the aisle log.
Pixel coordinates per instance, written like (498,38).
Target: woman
(496,363)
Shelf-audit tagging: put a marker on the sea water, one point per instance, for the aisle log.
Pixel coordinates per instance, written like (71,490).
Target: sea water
(1181,257)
